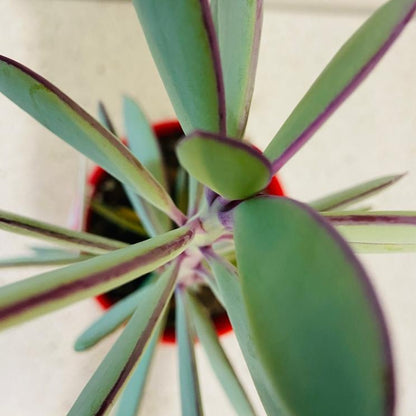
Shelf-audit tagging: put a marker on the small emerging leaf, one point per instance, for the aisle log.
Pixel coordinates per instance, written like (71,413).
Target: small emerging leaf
(232,169)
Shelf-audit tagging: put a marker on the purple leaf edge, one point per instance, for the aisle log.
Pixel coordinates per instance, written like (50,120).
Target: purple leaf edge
(216,60)
(343,95)
(389,376)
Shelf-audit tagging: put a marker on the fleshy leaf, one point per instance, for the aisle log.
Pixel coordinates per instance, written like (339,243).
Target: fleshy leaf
(218,359)
(341,77)
(188,375)
(230,288)
(354,194)
(142,141)
(184,47)
(377,231)
(233,169)
(58,113)
(132,395)
(100,393)
(145,147)
(317,326)
(238,26)
(49,291)
(111,319)
(47,259)
(78,240)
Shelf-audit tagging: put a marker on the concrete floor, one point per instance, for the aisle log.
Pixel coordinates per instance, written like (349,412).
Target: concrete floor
(96,51)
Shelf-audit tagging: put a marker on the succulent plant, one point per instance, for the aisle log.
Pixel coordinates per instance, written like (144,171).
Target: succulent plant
(302,306)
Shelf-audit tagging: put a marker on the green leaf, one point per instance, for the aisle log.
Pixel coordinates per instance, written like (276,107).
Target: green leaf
(181,190)
(230,287)
(188,376)
(232,169)
(58,113)
(184,47)
(238,26)
(354,194)
(341,77)
(37,259)
(218,359)
(114,372)
(49,291)
(111,319)
(78,240)
(142,141)
(132,395)
(317,326)
(145,147)
(377,231)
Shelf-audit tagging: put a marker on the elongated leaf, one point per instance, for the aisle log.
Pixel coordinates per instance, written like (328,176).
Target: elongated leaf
(355,194)
(190,395)
(131,396)
(233,169)
(43,260)
(230,287)
(184,46)
(111,319)
(381,231)
(154,221)
(57,112)
(90,243)
(181,189)
(218,359)
(238,26)
(49,291)
(341,77)
(100,393)
(317,326)
(145,147)
(142,141)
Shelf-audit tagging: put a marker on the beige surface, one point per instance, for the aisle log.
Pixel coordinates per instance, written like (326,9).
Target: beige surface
(98,52)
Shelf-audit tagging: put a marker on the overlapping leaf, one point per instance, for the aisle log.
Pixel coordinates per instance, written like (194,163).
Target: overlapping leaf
(77,240)
(57,112)
(100,393)
(238,27)
(233,169)
(317,327)
(49,291)
(377,231)
(188,375)
(184,47)
(205,331)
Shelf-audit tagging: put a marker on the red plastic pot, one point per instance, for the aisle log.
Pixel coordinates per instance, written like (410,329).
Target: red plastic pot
(165,131)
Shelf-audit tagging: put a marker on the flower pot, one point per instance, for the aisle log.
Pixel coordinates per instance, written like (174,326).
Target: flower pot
(110,192)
